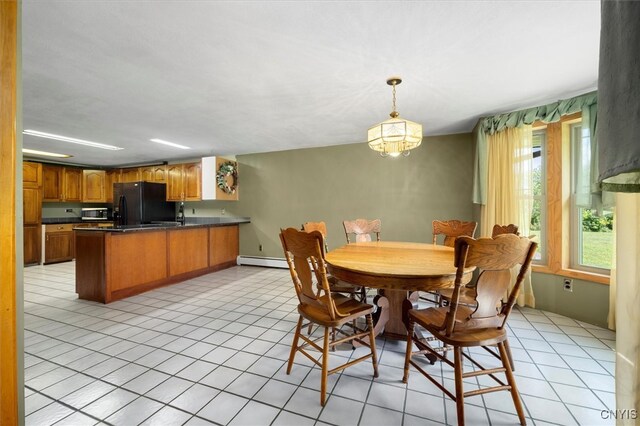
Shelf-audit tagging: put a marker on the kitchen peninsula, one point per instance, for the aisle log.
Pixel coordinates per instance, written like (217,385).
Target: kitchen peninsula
(118,262)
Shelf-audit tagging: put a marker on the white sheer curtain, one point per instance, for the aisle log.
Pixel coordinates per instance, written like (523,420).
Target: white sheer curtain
(510,189)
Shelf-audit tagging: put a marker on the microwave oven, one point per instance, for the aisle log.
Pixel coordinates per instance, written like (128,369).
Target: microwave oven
(96,213)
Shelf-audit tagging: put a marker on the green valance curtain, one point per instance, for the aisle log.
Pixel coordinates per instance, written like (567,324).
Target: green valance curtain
(549,113)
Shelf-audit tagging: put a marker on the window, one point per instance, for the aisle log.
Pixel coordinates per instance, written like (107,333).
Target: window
(574,241)
(591,229)
(538,214)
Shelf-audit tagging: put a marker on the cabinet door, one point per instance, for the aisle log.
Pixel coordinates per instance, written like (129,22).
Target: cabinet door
(113,176)
(192,182)
(223,245)
(58,247)
(31,175)
(175,182)
(131,175)
(31,238)
(72,184)
(146,174)
(32,206)
(51,183)
(93,186)
(160,173)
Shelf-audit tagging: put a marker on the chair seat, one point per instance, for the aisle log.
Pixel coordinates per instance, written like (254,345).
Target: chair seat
(433,320)
(350,308)
(467,295)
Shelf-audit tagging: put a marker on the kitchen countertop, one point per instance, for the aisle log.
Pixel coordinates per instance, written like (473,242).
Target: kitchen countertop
(50,220)
(190,223)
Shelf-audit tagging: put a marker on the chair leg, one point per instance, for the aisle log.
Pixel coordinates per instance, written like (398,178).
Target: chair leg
(508,350)
(457,356)
(325,366)
(294,345)
(512,382)
(372,344)
(407,357)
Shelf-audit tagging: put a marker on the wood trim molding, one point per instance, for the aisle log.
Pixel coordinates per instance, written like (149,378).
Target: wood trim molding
(8,182)
(559,204)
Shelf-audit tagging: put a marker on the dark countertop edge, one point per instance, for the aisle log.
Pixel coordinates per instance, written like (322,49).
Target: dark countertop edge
(164,228)
(56,220)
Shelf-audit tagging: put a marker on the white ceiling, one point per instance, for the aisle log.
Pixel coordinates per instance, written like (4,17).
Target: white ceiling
(239,77)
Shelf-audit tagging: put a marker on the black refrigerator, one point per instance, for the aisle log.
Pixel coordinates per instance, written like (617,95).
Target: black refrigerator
(135,203)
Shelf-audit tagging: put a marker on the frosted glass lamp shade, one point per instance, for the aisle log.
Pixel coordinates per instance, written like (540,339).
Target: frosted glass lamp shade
(394,136)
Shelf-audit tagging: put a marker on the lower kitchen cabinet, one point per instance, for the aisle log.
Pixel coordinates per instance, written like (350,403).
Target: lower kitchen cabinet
(31,238)
(59,243)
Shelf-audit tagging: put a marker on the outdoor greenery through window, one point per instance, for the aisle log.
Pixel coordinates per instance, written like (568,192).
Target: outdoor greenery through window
(592,229)
(538,217)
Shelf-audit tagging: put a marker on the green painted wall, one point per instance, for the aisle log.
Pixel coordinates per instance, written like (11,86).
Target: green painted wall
(589,301)
(287,188)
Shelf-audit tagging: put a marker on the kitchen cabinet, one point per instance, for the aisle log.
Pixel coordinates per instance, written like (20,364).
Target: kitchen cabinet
(71,184)
(156,174)
(223,245)
(130,175)
(31,175)
(93,186)
(61,184)
(51,183)
(59,243)
(112,176)
(31,211)
(184,182)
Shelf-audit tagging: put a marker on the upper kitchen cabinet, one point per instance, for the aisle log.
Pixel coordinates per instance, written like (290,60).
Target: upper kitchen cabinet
(51,183)
(156,174)
(130,175)
(93,186)
(184,182)
(71,184)
(112,176)
(61,184)
(219,179)
(31,175)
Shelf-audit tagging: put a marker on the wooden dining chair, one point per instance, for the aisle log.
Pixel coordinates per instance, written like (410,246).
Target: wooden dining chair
(355,291)
(467,294)
(450,229)
(362,229)
(304,252)
(463,326)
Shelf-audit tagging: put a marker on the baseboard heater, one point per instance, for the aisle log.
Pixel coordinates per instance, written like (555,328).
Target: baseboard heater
(268,262)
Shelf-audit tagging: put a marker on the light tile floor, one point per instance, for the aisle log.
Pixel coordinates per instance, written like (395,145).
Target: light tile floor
(212,350)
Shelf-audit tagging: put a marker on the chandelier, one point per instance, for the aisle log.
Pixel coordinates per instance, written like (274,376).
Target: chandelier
(394,136)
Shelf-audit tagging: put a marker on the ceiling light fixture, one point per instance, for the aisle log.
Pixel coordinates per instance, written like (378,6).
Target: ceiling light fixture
(175,145)
(44,153)
(70,140)
(394,136)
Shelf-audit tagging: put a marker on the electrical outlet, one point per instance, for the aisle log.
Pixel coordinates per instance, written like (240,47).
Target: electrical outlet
(193,211)
(260,247)
(568,285)
(222,212)
(69,210)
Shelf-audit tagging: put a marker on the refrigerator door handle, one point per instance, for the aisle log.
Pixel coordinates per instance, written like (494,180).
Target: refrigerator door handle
(122,207)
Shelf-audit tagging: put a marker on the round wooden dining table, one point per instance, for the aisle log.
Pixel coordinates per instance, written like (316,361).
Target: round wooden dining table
(399,270)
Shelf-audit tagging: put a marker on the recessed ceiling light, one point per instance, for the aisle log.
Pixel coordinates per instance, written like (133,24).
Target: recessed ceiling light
(175,145)
(44,153)
(70,140)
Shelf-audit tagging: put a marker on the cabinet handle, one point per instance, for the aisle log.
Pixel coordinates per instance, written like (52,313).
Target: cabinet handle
(60,227)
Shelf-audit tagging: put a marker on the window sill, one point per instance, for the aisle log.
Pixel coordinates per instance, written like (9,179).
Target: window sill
(572,273)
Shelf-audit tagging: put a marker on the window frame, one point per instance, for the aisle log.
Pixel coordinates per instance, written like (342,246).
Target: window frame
(543,196)
(558,205)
